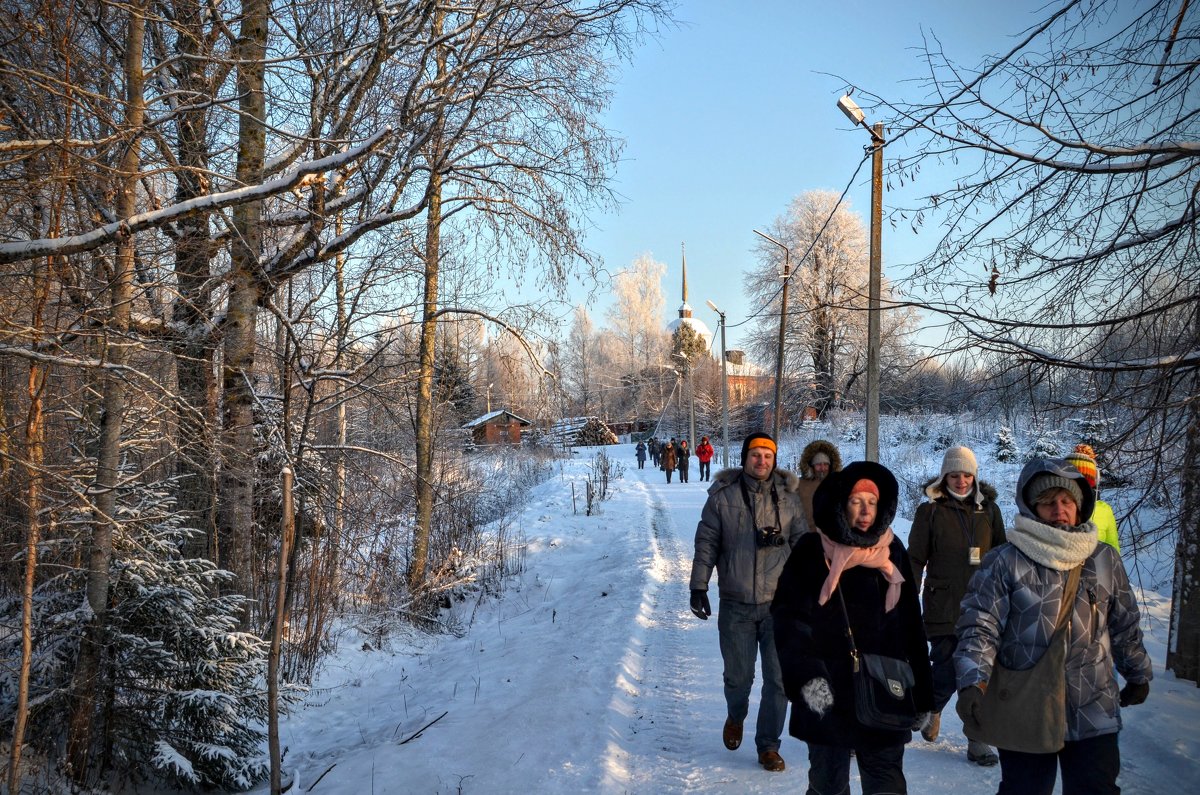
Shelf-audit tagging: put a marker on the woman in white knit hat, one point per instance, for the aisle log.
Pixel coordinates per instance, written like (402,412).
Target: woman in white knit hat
(951,532)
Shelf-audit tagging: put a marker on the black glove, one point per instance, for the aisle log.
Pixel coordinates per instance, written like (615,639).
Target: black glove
(970,699)
(700,606)
(1134,693)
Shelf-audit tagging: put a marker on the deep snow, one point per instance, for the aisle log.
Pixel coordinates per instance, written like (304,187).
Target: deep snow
(591,675)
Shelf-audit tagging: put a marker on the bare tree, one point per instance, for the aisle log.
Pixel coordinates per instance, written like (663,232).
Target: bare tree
(517,150)
(1067,232)
(252,206)
(825,334)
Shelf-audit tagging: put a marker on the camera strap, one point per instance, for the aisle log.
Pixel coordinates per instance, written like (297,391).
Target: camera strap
(750,503)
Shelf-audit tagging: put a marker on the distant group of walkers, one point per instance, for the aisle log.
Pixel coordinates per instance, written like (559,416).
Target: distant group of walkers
(816,588)
(674,456)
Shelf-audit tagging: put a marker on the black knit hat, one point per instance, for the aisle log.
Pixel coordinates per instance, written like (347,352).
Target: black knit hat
(746,446)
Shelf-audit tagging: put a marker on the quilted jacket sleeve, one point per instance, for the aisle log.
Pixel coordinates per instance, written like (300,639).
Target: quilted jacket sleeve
(1124,628)
(708,544)
(984,612)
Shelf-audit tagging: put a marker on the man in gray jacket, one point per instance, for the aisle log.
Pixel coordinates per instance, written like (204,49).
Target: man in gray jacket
(751,521)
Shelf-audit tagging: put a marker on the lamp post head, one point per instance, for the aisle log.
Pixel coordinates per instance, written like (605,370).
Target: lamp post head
(713,307)
(851,109)
(856,116)
(787,252)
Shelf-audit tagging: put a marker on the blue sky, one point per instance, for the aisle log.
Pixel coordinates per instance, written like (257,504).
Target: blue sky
(732,114)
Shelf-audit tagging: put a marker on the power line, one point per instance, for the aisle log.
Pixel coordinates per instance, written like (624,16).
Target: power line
(759,312)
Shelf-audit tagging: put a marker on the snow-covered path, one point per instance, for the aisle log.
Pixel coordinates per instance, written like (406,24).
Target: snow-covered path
(591,675)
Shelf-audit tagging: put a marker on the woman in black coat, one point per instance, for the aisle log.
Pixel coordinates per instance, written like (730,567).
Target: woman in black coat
(854,557)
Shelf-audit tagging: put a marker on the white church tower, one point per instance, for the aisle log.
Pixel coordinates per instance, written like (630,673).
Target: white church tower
(685,311)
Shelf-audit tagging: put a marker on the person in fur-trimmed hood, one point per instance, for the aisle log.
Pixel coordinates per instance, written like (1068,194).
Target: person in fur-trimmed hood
(747,529)
(1009,616)
(820,457)
(854,557)
(951,532)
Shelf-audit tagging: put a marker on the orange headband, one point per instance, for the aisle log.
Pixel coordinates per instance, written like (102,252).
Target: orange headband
(761,442)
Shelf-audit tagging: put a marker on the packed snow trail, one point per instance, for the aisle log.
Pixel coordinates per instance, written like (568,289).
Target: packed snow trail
(590,674)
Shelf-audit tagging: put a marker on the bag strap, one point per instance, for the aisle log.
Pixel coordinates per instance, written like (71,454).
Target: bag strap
(849,632)
(1070,590)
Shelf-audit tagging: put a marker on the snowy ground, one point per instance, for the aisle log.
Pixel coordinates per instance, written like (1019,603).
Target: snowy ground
(591,675)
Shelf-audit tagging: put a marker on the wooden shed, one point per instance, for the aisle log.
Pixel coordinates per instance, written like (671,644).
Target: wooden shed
(497,427)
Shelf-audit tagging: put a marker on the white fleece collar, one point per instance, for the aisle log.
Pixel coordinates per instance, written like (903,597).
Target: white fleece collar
(1052,546)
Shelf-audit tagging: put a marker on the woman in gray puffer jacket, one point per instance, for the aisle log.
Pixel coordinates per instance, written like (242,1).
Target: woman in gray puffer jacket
(1009,615)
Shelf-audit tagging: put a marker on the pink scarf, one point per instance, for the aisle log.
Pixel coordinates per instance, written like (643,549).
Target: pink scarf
(841,557)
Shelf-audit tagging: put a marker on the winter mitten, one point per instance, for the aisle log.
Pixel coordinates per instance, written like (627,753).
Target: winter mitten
(817,696)
(970,699)
(700,606)
(921,722)
(1134,693)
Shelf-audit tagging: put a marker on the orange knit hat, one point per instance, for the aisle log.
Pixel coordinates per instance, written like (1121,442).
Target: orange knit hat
(1083,458)
(864,485)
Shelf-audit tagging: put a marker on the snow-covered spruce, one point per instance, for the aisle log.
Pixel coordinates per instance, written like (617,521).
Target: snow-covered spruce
(181,692)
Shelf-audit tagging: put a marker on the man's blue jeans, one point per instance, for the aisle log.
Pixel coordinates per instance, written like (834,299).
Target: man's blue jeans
(745,632)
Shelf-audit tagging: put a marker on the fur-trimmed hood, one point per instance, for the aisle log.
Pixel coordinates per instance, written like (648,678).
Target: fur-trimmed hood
(829,502)
(819,446)
(726,477)
(984,492)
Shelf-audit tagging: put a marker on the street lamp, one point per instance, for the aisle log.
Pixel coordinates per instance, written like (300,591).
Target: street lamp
(783,300)
(724,390)
(856,116)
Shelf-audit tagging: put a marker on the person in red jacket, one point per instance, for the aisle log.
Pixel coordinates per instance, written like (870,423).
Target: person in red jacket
(704,452)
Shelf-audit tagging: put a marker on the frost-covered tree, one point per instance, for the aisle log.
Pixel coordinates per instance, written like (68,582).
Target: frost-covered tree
(181,696)
(635,317)
(1006,445)
(826,319)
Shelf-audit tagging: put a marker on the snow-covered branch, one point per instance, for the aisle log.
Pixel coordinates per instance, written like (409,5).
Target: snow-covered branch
(73,244)
(514,332)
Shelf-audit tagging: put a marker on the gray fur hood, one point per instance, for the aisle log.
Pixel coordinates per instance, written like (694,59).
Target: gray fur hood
(984,492)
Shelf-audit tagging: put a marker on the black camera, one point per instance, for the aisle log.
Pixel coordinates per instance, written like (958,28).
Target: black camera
(770,537)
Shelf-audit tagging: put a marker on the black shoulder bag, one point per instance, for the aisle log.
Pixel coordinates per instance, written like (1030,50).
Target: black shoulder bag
(882,686)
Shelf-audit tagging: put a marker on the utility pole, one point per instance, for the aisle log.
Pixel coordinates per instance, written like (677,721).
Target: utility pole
(783,303)
(872,452)
(856,116)
(724,390)
(691,407)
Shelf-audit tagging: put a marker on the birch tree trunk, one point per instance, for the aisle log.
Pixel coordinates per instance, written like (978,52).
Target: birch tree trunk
(1183,642)
(194,352)
(108,457)
(424,412)
(287,536)
(34,457)
(236,513)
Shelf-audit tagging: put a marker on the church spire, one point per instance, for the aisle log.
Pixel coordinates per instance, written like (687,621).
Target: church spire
(684,309)
(683,248)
